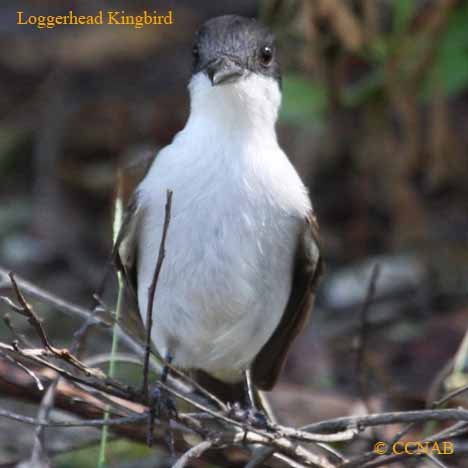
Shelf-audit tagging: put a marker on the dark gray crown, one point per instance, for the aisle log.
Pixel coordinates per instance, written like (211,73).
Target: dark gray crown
(244,40)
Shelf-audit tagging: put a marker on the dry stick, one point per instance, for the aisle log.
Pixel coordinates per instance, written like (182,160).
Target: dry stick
(250,435)
(371,455)
(361,339)
(61,354)
(435,460)
(288,461)
(26,310)
(99,381)
(71,309)
(388,418)
(339,424)
(393,417)
(254,436)
(285,446)
(454,431)
(66,307)
(195,452)
(88,423)
(265,453)
(28,371)
(112,386)
(39,455)
(58,451)
(39,451)
(149,314)
(152,291)
(449,396)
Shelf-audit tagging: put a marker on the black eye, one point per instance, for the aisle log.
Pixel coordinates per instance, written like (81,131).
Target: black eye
(266,55)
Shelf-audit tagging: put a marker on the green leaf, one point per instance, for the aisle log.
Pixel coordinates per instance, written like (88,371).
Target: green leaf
(451,63)
(303,99)
(403,11)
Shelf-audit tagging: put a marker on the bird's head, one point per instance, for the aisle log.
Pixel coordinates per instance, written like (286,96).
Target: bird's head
(235,70)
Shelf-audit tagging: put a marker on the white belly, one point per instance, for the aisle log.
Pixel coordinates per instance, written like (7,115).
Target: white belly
(223,286)
(226,277)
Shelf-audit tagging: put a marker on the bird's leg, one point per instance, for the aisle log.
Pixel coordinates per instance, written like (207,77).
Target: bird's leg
(249,413)
(254,415)
(249,391)
(162,403)
(165,371)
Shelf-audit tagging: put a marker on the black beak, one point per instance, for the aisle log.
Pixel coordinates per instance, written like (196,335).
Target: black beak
(223,70)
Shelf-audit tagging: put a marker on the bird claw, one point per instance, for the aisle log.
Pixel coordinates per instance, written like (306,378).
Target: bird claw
(249,416)
(163,404)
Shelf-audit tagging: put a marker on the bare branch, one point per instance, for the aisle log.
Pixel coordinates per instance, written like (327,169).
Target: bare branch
(380,419)
(152,291)
(66,307)
(361,339)
(27,311)
(449,396)
(36,379)
(195,452)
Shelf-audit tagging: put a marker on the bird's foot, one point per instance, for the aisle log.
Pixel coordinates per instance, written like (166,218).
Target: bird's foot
(249,416)
(163,407)
(163,404)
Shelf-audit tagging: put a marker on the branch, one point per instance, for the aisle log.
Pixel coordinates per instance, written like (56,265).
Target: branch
(66,307)
(195,452)
(361,339)
(381,419)
(152,291)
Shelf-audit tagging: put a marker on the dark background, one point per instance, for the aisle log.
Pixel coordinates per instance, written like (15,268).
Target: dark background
(375,118)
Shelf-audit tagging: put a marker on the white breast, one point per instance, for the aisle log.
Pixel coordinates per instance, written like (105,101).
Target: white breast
(237,209)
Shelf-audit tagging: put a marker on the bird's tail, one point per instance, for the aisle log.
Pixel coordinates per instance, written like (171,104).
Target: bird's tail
(226,392)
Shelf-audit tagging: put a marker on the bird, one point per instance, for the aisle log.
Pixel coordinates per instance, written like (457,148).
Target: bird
(242,250)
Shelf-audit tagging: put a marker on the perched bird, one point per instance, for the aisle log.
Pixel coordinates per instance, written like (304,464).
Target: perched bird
(242,256)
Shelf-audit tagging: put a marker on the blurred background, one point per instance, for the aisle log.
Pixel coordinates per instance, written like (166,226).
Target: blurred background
(374,117)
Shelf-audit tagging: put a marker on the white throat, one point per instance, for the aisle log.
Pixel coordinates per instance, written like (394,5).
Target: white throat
(248,106)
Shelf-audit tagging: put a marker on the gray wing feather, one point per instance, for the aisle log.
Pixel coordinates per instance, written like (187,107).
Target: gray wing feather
(125,256)
(125,252)
(307,268)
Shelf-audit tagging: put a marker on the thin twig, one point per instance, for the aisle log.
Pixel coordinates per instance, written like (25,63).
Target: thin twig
(27,311)
(67,307)
(454,431)
(39,451)
(149,316)
(195,452)
(449,396)
(296,434)
(361,339)
(28,371)
(87,423)
(152,291)
(380,419)
(435,460)
(39,455)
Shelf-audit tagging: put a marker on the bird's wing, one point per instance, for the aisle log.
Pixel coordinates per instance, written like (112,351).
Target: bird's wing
(307,268)
(125,254)
(125,251)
